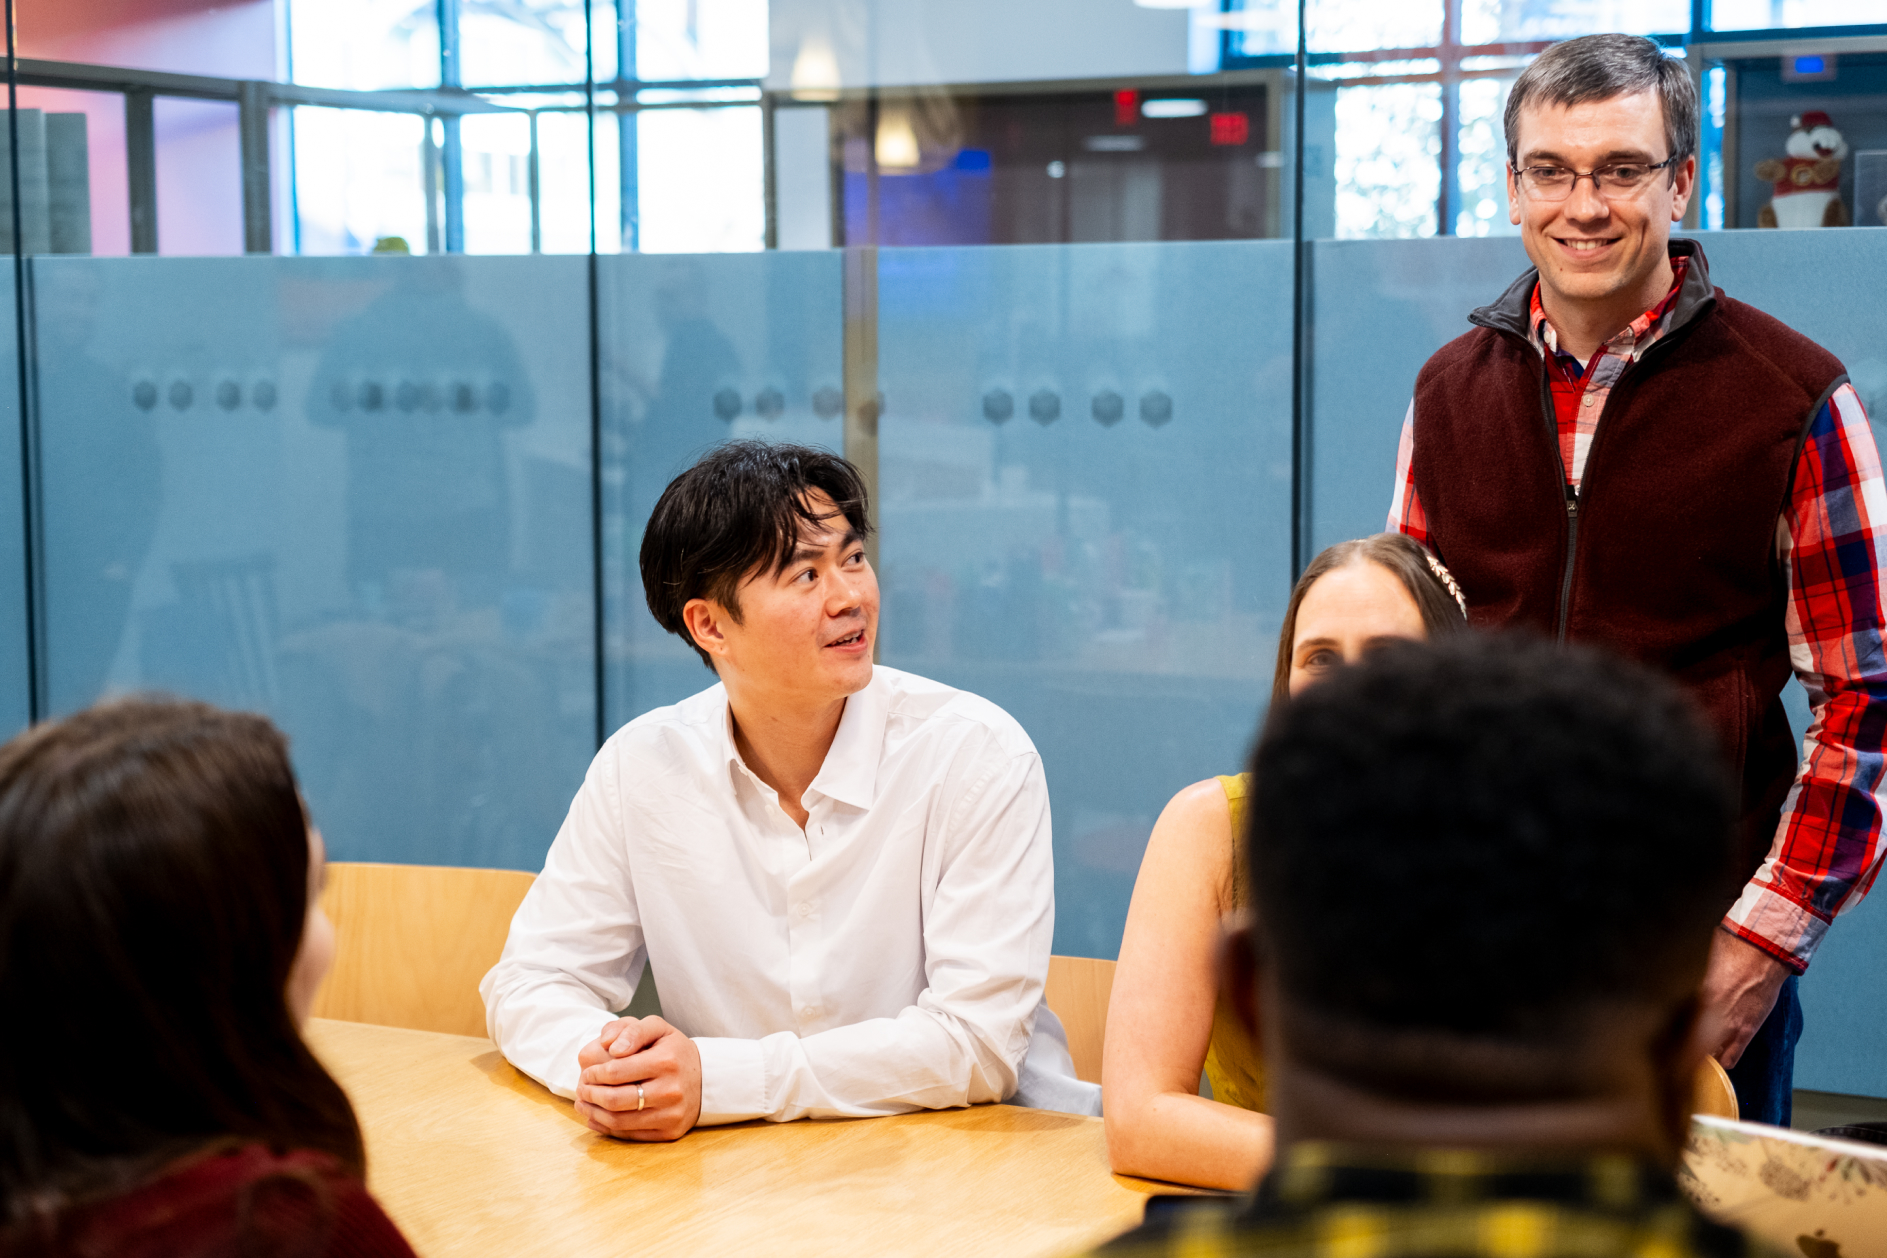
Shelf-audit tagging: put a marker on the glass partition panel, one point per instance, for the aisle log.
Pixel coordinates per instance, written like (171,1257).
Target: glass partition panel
(350,493)
(697,350)
(1084,490)
(1380,308)
(15,708)
(1844,994)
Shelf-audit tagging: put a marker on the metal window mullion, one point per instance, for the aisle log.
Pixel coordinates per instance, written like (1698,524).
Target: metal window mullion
(140,142)
(252,127)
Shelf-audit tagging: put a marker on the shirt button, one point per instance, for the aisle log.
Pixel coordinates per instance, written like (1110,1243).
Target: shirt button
(808,1012)
(805,910)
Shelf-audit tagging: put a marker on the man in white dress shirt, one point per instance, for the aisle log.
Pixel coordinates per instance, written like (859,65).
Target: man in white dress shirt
(841,871)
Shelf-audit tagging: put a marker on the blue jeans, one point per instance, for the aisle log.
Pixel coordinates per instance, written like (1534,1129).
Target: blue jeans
(1765,1075)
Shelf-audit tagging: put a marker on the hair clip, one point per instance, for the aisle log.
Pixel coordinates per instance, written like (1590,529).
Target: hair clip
(1447,579)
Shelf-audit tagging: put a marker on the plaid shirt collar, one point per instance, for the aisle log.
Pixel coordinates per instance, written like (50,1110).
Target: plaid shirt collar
(1310,1176)
(1636,337)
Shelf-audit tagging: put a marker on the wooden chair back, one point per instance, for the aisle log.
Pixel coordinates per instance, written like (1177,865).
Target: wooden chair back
(413,941)
(1712,1092)
(1078,991)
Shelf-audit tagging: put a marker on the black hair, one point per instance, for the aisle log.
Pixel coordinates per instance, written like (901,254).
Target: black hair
(154,890)
(740,510)
(1599,67)
(1487,837)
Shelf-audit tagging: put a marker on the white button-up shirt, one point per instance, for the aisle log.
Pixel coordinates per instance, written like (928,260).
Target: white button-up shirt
(888,957)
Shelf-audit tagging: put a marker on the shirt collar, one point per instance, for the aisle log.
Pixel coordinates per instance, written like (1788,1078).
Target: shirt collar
(1632,340)
(1309,1174)
(850,771)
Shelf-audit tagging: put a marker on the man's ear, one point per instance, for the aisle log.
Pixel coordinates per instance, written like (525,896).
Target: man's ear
(706,620)
(1684,185)
(1239,965)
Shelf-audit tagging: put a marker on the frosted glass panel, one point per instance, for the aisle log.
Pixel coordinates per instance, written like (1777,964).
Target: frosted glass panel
(350,493)
(1844,994)
(697,350)
(1085,500)
(1381,307)
(14,707)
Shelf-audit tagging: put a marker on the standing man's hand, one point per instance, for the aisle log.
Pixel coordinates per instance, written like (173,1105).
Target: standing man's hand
(1740,989)
(641,1080)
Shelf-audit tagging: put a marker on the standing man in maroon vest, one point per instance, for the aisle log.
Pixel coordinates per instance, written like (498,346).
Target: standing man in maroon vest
(1621,454)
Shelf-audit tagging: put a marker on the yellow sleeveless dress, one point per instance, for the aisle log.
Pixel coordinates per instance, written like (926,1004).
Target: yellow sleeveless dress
(1233,1065)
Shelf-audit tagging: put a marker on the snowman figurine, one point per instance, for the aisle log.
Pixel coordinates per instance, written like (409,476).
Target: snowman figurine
(1806,180)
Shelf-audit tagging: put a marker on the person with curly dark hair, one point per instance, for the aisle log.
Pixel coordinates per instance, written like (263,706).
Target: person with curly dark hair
(1427,830)
(161,940)
(1167,1019)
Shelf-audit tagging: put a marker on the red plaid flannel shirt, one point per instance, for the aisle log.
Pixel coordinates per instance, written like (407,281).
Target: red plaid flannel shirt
(1832,541)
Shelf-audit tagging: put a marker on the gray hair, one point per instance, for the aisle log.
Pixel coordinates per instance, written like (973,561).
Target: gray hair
(1599,67)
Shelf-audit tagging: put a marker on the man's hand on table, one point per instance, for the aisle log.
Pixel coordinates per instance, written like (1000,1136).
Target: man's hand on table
(646,1052)
(1740,989)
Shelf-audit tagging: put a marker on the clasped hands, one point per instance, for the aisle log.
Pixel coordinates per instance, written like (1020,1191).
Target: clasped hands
(646,1054)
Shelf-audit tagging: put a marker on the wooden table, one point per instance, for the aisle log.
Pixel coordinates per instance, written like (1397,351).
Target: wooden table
(471,1157)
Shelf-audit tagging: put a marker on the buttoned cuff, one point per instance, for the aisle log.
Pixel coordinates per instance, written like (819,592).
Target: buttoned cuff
(733,1081)
(1788,931)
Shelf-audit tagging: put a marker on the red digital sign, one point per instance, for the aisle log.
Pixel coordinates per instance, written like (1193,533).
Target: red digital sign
(1126,107)
(1231,128)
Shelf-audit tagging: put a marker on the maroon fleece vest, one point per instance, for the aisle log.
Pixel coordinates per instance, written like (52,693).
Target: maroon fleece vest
(1668,551)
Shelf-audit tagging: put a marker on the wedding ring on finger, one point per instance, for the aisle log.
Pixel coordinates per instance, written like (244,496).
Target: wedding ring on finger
(641,1098)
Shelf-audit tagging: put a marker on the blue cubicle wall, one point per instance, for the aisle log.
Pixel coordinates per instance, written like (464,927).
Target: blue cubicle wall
(356,494)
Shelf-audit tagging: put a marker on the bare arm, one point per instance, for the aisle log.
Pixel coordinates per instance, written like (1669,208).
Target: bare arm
(1159,1019)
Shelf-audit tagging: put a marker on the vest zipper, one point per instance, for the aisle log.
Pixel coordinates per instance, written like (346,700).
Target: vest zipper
(1572,546)
(1571,496)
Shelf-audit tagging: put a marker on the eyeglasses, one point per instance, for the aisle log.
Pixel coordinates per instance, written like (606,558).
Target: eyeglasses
(1555,183)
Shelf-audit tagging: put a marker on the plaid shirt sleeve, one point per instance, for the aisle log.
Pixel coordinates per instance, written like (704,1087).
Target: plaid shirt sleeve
(1405,509)
(1833,543)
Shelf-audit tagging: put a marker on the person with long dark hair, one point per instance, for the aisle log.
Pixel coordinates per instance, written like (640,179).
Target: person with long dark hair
(161,939)
(1166,1020)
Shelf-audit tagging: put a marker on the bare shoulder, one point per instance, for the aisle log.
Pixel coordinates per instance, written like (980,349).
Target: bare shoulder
(1192,840)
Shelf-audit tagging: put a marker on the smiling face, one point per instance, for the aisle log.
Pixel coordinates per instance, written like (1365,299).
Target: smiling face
(1347,613)
(1604,252)
(805,632)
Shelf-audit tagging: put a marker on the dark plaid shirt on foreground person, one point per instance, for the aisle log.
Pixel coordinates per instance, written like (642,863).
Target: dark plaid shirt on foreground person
(1335,1201)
